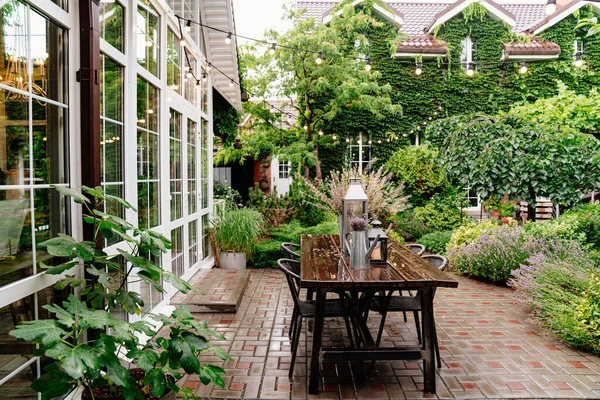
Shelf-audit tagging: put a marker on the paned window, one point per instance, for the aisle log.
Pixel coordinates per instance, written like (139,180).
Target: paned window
(192,184)
(359,153)
(578,46)
(203,93)
(193,242)
(148,154)
(175,154)
(173,61)
(204,164)
(189,9)
(111,126)
(466,56)
(284,170)
(112,23)
(206,249)
(177,251)
(149,294)
(33,144)
(190,83)
(148,37)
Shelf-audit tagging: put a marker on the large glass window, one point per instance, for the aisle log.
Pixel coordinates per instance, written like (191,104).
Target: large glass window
(190,83)
(112,23)
(33,143)
(149,294)
(204,92)
(191,166)
(176,178)
(189,9)
(148,154)
(173,62)
(206,249)
(193,242)
(177,251)
(111,126)
(148,37)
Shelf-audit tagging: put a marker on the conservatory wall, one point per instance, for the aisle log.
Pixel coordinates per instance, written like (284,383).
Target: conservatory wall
(156,133)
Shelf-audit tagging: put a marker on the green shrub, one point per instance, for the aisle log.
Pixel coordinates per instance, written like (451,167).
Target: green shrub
(438,216)
(306,212)
(291,232)
(469,233)
(266,254)
(436,242)
(409,226)
(418,169)
(564,293)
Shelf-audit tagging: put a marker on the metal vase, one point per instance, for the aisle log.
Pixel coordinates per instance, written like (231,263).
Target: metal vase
(358,251)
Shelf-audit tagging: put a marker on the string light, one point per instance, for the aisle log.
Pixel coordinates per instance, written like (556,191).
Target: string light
(198,85)
(578,60)
(204,77)
(188,25)
(370,141)
(231,83)
(334,137)
(208,67)
(305,127)
(182,42)
(272,50)
(228,38)
(347,140)
(418,69)
(523,68)
(320,132)
(470,71)
(550,7)
(319,59)
(189,75)
(368,65)
(379,141)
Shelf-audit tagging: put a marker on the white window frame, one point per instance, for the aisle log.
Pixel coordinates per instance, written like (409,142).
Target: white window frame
(466,53)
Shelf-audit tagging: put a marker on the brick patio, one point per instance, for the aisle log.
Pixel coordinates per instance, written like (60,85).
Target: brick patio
(488,348)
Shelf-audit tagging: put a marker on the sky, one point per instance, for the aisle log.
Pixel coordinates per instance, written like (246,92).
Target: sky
(253,17)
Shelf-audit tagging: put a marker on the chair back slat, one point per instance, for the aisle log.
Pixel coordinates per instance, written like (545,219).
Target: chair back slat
(289,249)
(417,248)
(291,269)
(439,261)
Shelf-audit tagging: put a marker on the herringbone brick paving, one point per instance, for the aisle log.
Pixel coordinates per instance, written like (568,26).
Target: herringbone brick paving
(488,349)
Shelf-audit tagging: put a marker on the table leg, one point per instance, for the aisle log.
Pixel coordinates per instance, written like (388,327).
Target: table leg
(428,340)
(315,362)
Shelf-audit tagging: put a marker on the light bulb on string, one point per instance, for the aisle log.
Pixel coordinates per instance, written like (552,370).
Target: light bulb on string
(305,127)
(186,68)
(470,70)
(319,59)
(368,65)
(188,25)
(370,141)
(334,137)
(523,68)
(198,84)
(320,132)
(578,60)
(182,42)
(272,50)
(379,141)
(204,77)
(387,140)
(347,140)
(550,7)
(231,83)
(228,38)
(189,74)
(208,67)
(419,68)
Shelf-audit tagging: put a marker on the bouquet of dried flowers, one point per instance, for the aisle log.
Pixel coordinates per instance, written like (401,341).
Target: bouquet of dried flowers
(358,223)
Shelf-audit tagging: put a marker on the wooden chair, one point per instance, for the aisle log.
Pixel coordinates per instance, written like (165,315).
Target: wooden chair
(334,308)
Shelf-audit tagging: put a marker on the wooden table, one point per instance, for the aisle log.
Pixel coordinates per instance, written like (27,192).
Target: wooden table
(323,268)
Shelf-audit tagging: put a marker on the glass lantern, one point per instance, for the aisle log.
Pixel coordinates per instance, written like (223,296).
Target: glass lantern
(380,252)
(355,204)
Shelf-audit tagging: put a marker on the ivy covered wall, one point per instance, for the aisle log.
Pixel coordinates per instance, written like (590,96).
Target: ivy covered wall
(443,89)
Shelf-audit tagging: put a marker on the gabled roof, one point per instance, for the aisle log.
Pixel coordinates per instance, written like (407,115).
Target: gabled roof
(495,10)
(533,50)
(418,15)
(391,15)
(561,13)
(424,46)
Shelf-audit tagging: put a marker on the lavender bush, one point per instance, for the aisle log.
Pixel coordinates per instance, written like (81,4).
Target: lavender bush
(494,254)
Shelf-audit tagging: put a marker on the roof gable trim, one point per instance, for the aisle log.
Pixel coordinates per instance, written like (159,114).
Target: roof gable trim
(388,15)
(494,10)
(561,14)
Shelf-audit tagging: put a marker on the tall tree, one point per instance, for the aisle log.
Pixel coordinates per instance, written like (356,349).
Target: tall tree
(317,91)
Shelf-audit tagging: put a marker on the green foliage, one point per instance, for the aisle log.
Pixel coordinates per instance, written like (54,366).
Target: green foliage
(588,309)
(510,156)
(440,215)
(224,192)
(436,242)
(591,23)
(266,254)
(103,291)
(409,226)
(418,169)
(469,233)
(238,229)
(225,119)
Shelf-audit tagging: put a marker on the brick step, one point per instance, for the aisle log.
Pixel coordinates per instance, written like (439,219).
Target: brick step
(222,291)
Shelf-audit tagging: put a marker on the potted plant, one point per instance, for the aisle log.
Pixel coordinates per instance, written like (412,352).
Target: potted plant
(85,342)
(507,210)
(235,234)
(493,205)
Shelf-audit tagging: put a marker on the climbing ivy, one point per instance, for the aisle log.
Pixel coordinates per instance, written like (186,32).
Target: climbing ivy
(225,119)
(444,90)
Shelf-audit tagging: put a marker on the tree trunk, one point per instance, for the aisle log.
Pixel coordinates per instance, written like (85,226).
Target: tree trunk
(531,206)
(319,174)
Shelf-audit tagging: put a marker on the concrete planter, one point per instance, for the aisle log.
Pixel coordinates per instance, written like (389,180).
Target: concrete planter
(231,260)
